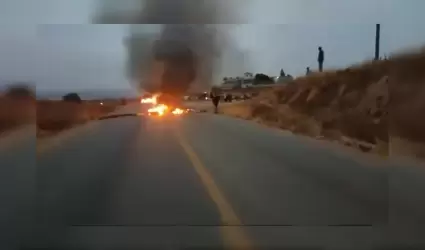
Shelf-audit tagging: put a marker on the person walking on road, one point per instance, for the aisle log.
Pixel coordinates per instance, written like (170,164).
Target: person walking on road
(321,59)
(307,71)
(215,97)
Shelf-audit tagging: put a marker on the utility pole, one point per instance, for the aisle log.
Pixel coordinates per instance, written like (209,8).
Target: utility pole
(377,40)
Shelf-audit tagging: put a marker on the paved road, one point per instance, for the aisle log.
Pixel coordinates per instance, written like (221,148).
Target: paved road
(17,175)
(205,180)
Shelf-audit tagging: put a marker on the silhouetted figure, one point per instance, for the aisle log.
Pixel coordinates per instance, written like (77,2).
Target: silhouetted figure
(216,100)
(321,59)
(307,71)
(228,98)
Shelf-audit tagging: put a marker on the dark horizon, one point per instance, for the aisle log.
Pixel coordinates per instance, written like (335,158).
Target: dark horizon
(87,94)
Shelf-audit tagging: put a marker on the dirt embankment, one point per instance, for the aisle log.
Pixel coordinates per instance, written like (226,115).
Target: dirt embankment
(50,116)
(15,112)
(376,106)
(55,116)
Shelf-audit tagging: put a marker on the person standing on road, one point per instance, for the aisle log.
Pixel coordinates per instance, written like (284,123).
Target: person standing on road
(321,59)
(215,97)
(307,71)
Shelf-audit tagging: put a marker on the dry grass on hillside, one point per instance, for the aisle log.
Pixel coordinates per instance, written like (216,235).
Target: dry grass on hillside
(15,113)
(369,102)
(54,116)
(50,116)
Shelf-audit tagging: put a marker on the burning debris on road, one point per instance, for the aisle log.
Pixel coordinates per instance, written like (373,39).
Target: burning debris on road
(151,100)
(159,108)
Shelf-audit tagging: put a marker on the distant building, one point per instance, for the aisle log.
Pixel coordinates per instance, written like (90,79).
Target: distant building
(247,82)
(230,83)
(237,82)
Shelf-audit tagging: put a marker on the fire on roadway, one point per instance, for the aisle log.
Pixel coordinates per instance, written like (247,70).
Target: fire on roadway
(161,109)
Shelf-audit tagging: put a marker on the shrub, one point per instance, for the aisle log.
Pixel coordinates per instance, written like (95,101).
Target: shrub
(262,79)
(72,97)
(19,91)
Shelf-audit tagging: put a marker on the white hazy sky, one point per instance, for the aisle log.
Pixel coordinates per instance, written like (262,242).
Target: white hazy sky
(50,43)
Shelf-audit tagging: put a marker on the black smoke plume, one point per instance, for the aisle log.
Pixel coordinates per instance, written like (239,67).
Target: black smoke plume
(183,54)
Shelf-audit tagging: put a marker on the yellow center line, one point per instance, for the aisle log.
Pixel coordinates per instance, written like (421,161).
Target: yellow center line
(233,236)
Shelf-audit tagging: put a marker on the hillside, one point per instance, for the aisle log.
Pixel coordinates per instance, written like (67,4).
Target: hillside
(50,116)
(376,106)
(55,116)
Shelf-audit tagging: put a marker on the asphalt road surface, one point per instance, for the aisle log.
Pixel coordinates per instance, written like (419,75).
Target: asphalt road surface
(204,180)
(17,176)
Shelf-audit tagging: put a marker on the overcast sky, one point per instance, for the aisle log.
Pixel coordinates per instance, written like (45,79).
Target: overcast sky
(50,43)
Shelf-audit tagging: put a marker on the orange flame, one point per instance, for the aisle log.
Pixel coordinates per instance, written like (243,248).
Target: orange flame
(178,111)
(160,109)
(152,100)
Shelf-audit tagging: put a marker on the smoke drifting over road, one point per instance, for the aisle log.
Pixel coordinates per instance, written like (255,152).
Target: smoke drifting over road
(184,53)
